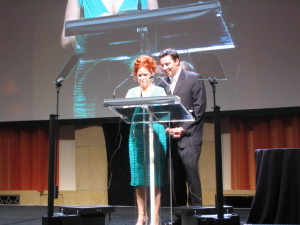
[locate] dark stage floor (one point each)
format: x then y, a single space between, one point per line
32 215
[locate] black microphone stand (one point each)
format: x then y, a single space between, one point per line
53 135
218 152
53 144
233 219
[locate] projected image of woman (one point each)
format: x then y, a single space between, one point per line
86 96
143 68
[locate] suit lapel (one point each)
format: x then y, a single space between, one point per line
179 82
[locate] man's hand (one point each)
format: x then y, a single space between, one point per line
176 133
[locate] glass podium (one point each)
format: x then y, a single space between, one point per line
148 113
161 109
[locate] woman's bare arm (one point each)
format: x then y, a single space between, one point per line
72 13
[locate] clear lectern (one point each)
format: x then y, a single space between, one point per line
150 111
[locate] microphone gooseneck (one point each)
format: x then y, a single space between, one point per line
163 80
123 82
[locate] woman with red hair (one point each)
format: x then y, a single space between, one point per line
144 67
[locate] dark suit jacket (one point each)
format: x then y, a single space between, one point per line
192 93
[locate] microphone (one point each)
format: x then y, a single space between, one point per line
168 88
163 80
131 75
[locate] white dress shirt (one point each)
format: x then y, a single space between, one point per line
173 80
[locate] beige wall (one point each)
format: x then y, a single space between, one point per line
88 181
83 167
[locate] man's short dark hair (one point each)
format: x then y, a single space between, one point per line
169 51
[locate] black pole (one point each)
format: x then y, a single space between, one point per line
51 163
53 134
218 153
58 85
218 156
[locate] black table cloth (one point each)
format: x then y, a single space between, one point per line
277 197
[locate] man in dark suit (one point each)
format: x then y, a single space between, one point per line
186 136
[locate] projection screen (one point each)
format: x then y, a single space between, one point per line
250 46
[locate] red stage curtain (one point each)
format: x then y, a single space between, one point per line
24 158
260 132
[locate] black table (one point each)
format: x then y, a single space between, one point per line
277 197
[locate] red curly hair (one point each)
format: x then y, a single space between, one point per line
144 61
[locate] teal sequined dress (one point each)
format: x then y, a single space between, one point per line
139 147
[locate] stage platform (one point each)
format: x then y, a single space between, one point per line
122 215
